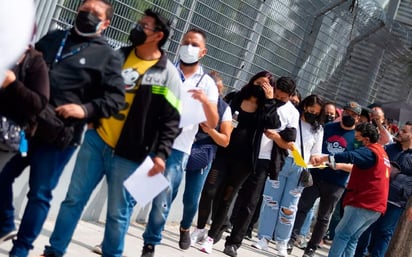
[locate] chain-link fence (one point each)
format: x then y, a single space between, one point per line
344 50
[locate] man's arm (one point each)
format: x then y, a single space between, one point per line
110 100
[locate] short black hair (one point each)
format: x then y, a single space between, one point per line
368 130
199 31
286 84
109 10
162 24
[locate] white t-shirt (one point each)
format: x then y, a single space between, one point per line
289 118
227 115
185 140
312 141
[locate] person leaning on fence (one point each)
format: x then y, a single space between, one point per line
85 84
202 88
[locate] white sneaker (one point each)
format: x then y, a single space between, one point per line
282 246
198 235
207 245
97 249
262 244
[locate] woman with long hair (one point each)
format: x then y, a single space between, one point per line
233 164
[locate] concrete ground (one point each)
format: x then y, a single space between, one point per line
89 234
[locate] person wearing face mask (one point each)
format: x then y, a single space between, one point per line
146 126
366 195
281 194
233 164
330 112
198 85
85 85
328 184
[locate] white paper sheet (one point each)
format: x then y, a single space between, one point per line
192 110
142 187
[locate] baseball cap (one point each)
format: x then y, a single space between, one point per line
353 106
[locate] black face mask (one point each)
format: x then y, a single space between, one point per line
257 91
310 117
348 121
329 118
87 23
137 35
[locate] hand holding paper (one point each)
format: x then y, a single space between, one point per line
192 110
142 187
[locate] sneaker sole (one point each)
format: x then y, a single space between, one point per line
8 236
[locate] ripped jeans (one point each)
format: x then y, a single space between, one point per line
280 200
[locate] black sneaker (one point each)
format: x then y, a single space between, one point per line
248 235
148 250
309 252
184 240
230 250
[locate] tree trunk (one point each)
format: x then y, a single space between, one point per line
400 245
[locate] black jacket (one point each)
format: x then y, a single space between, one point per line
152 123
89 74
23 99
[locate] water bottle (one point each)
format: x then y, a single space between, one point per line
235 122
23 147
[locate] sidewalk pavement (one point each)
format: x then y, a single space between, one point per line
89 234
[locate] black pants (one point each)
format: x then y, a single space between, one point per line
222 184
329 195
247 202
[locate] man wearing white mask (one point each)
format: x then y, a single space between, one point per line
202 88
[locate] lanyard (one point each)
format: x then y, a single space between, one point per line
59 57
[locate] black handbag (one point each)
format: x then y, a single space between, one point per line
305 179
52 130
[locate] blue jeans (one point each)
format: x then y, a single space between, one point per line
280 200
159 212
195 179
353 223
95 159
46 166
305 229
380 233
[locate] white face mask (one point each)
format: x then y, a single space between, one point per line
189 54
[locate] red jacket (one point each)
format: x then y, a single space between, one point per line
369 188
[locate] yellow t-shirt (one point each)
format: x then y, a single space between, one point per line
111 127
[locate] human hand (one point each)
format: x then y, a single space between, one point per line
158 167
71 110
317 160
271 133
9 78
268 90
199 95
205 128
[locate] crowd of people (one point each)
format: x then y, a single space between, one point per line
126 105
